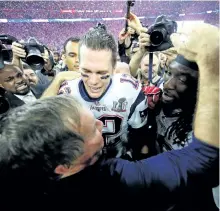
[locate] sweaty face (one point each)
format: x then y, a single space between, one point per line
96 68
180 84
145 65
31 76
91 131
71 56
14 80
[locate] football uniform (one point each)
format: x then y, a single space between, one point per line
122 105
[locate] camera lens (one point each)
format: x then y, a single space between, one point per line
157 37
34 59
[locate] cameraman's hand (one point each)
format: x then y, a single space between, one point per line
199 44
134 22
18 50
122 36
45 57
144 39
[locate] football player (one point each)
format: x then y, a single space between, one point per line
117 101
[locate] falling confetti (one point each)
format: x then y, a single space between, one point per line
55 21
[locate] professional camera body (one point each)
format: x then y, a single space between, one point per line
5 54
34 50
160 33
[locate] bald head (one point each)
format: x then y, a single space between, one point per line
122 67
13 80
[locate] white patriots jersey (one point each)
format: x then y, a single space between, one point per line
121 105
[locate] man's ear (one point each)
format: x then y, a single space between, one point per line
61 169
68 171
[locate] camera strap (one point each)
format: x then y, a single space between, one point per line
150 67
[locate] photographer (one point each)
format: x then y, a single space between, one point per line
35 81
20 53
142 73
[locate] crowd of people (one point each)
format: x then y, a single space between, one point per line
54 33
112 124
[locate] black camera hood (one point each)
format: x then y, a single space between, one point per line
7 39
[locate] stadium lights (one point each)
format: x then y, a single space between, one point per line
209 11
40 20
3 20
182 14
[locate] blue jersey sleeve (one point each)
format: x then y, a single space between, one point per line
168 172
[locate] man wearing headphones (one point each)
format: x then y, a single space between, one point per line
49 63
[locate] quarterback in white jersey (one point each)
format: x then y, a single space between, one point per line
121 107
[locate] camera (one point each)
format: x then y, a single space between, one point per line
34 50
160 33
5 54
4 104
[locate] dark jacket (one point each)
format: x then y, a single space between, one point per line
158 183
179 180
39 89
13 100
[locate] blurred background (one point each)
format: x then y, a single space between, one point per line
51 22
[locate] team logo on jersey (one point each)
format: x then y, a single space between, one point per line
98 107
120 105
143 115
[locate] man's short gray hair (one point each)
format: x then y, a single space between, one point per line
38 137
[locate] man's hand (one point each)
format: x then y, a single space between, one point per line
122 36
144 39
199 44
54 87
45 57
153 94
134 22
18 50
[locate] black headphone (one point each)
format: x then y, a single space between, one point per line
50 57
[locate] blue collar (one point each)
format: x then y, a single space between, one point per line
85 95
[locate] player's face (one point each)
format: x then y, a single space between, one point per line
14 80
96 68
71 56
180 84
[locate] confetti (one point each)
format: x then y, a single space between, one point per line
54 33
